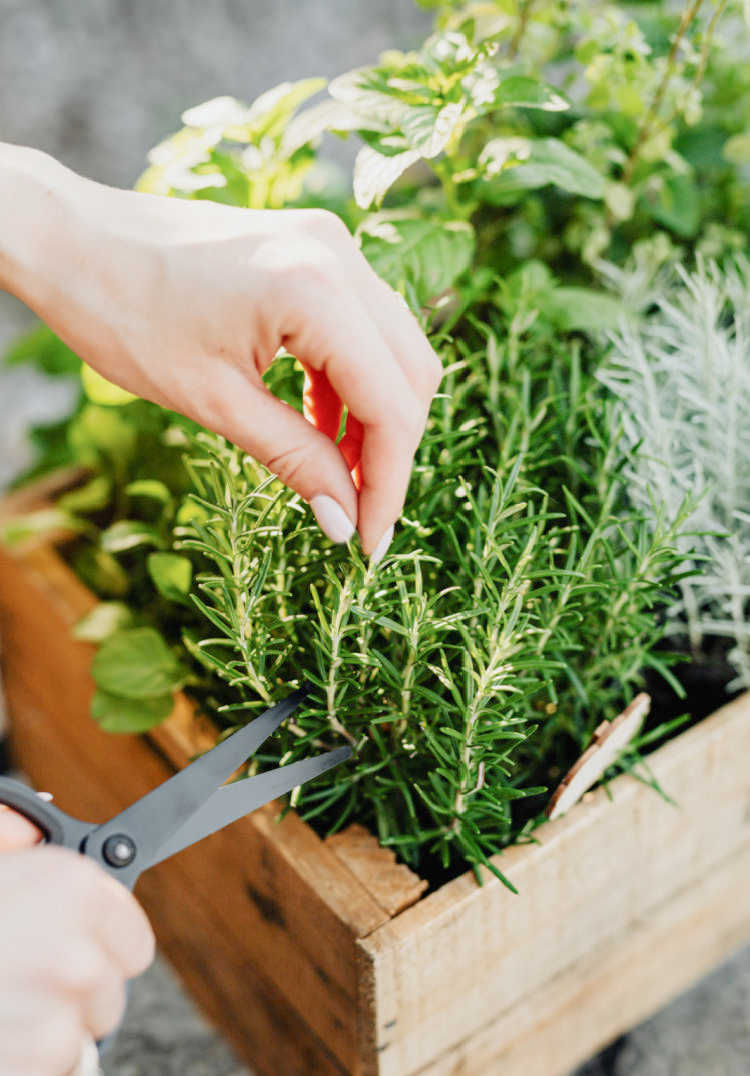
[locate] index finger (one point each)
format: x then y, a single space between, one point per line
339 337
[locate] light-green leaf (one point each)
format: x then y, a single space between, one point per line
374 173
137 664
113 713
90 497
128 534
172 574
583 309
151 488
512 165
104 620
522 91
428 254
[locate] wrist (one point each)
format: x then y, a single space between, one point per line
34 192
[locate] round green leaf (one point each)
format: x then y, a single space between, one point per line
137 664
101 391
172 574
128 534
113 713
104 620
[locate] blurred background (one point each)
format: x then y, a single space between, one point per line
97 83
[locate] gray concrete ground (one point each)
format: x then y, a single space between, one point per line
97 82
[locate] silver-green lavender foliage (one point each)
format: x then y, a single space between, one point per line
682 376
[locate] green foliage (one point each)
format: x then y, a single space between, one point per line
508 169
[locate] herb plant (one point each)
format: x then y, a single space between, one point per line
508 169
682 375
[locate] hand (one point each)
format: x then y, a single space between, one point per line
187 304
69 936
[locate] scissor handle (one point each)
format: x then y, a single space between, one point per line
56 826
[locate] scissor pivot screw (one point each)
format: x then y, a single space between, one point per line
119 850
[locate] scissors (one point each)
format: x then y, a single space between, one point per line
181 811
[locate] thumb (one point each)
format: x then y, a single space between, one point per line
303 457
16 832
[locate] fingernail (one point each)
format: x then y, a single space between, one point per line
332 519
381 548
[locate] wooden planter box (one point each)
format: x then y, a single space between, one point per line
323 956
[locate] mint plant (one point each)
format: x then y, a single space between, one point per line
508 169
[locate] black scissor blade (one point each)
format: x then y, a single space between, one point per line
244 796
151 820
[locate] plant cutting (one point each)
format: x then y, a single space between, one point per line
527 590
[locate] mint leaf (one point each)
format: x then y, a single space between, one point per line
512 165
427 254
137 664
172 574
374 173
113 713
128 534
104 620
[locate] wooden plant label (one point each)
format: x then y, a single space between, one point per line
608 741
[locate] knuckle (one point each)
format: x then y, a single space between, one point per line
86 969
327 225
289 464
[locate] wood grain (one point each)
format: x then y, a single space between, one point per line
464 955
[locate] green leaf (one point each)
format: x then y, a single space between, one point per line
522 91
104 620
102 432
91 497
513 165
427 254
582 309
737 149
137 664
151 488
41 348
428 128
37 524
102 572
128 534
101 391
114 713
374 173
677 206
172 574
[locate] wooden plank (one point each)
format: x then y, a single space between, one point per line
594 873
295 909
616 986
392 884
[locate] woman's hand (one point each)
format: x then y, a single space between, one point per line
70 936
187 304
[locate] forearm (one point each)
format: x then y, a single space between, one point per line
35 191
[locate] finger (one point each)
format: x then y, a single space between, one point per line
16 831
278 436
104 1008
335 334
88 1062
122 927
403 334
